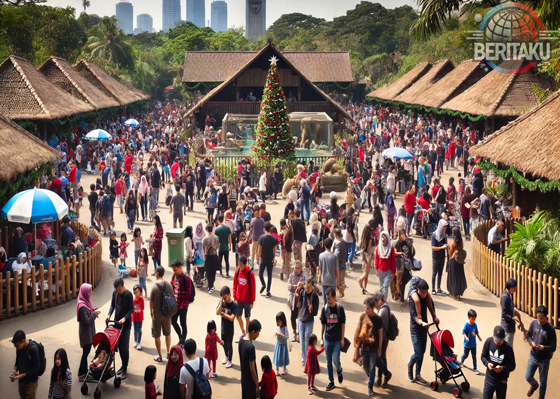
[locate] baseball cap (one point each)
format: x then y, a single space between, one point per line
499 333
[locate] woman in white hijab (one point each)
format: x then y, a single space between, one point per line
385 263
439 249
21 264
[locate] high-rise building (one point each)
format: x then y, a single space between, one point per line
125 18
171 14
255 19
219 16
196 12
144 23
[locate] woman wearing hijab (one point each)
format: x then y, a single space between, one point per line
439 247
21 263
143 192
385 263
456 281
86 319
171 386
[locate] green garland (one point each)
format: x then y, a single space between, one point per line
417 107
207 85
9 188
538 184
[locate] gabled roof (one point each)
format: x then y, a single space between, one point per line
215 90
531 143
13 160
389 92
418 90
218 66
26 94
106 83
59 72
466 74
500 94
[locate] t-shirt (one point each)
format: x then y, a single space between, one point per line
247 354
268 243
257 224
484 207
329 263
377 324
499 356
470 331
435 243
155 295
186 377
211 243
228 309
223 232
178 202
113 248
262 183
334 318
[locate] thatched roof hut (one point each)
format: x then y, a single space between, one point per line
530 143
418 90
59 72
499 94
14 161
26 94
107 84
389 92
466 74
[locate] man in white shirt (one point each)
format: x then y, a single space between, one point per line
262 186
186 379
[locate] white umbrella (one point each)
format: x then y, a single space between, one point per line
99 135
131 122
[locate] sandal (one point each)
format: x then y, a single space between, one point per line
157 358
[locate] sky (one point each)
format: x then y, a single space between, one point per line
327 9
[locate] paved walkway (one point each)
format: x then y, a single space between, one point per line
58 328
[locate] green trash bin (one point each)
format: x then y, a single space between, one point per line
175 245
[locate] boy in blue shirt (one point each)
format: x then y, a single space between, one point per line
470 332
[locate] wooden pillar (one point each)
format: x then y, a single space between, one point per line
299 93
236 90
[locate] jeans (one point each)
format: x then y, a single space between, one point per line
437 270
490 387
305 208
157 260
84 361
182 330
263 196
131 219
144 206
351 251
137 331
156 194
532 366
409 217
190 199
384 282
124 347
332 351
305 330
136 257
419 341
466 354
268 272
93 219
142 284
228 345
224 254
466 226
370 362
509 338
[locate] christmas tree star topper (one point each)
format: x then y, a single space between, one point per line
273 60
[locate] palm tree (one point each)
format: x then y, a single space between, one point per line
108 43
85 4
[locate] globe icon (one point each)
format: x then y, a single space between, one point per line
511 24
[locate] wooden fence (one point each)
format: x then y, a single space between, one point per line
58 283
493 270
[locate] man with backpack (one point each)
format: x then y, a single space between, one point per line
161 309
244 292
194 376
182 289
333 327
30 364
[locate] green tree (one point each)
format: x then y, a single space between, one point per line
88 21
107 42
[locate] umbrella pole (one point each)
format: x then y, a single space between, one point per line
35 224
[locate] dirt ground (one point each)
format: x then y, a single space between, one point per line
58 328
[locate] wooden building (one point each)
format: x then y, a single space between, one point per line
242 76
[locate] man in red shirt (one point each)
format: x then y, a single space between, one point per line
174 171
72 179
128 163
244 291
409 203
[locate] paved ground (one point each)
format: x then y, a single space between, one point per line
58 327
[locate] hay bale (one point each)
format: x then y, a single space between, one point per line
335 169
329 164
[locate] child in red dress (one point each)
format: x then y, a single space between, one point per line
312 364
211 345
268 381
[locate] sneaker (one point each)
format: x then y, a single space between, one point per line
330 387
213 375
240 338
227 275
434 292
134 346
119 371
387 378
139 347
476 372
377 382
420 380
281 276
532 389
370 392
314 388
268 295
225 360
262 289
310 391
410 377
124 375
228 364
340 378
440 291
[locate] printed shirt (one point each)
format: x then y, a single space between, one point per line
181 290
470 331
138 313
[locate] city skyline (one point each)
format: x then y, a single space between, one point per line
144 23
219 16
196 12
124 11
171 14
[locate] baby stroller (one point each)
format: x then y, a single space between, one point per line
441 352
108 341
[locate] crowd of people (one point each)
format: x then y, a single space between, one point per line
321 241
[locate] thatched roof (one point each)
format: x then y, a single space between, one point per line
218 66
106 83
13 160
466 74
389 92
499 94
26 94
418 90
530 143
59 72
217 89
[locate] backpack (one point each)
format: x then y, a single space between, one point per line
106 206
201 385
393 331
193 291
42 357
168 302
413 284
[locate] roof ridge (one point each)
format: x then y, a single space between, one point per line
13 59
72 81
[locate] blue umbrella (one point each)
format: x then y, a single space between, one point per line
34 206
99 135
397 153
131 122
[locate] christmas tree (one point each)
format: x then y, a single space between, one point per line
273 136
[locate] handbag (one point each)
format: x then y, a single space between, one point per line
416 265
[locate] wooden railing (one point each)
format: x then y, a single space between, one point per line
59 283
493 270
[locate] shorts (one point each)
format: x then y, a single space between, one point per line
241 306
178 216
160 323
